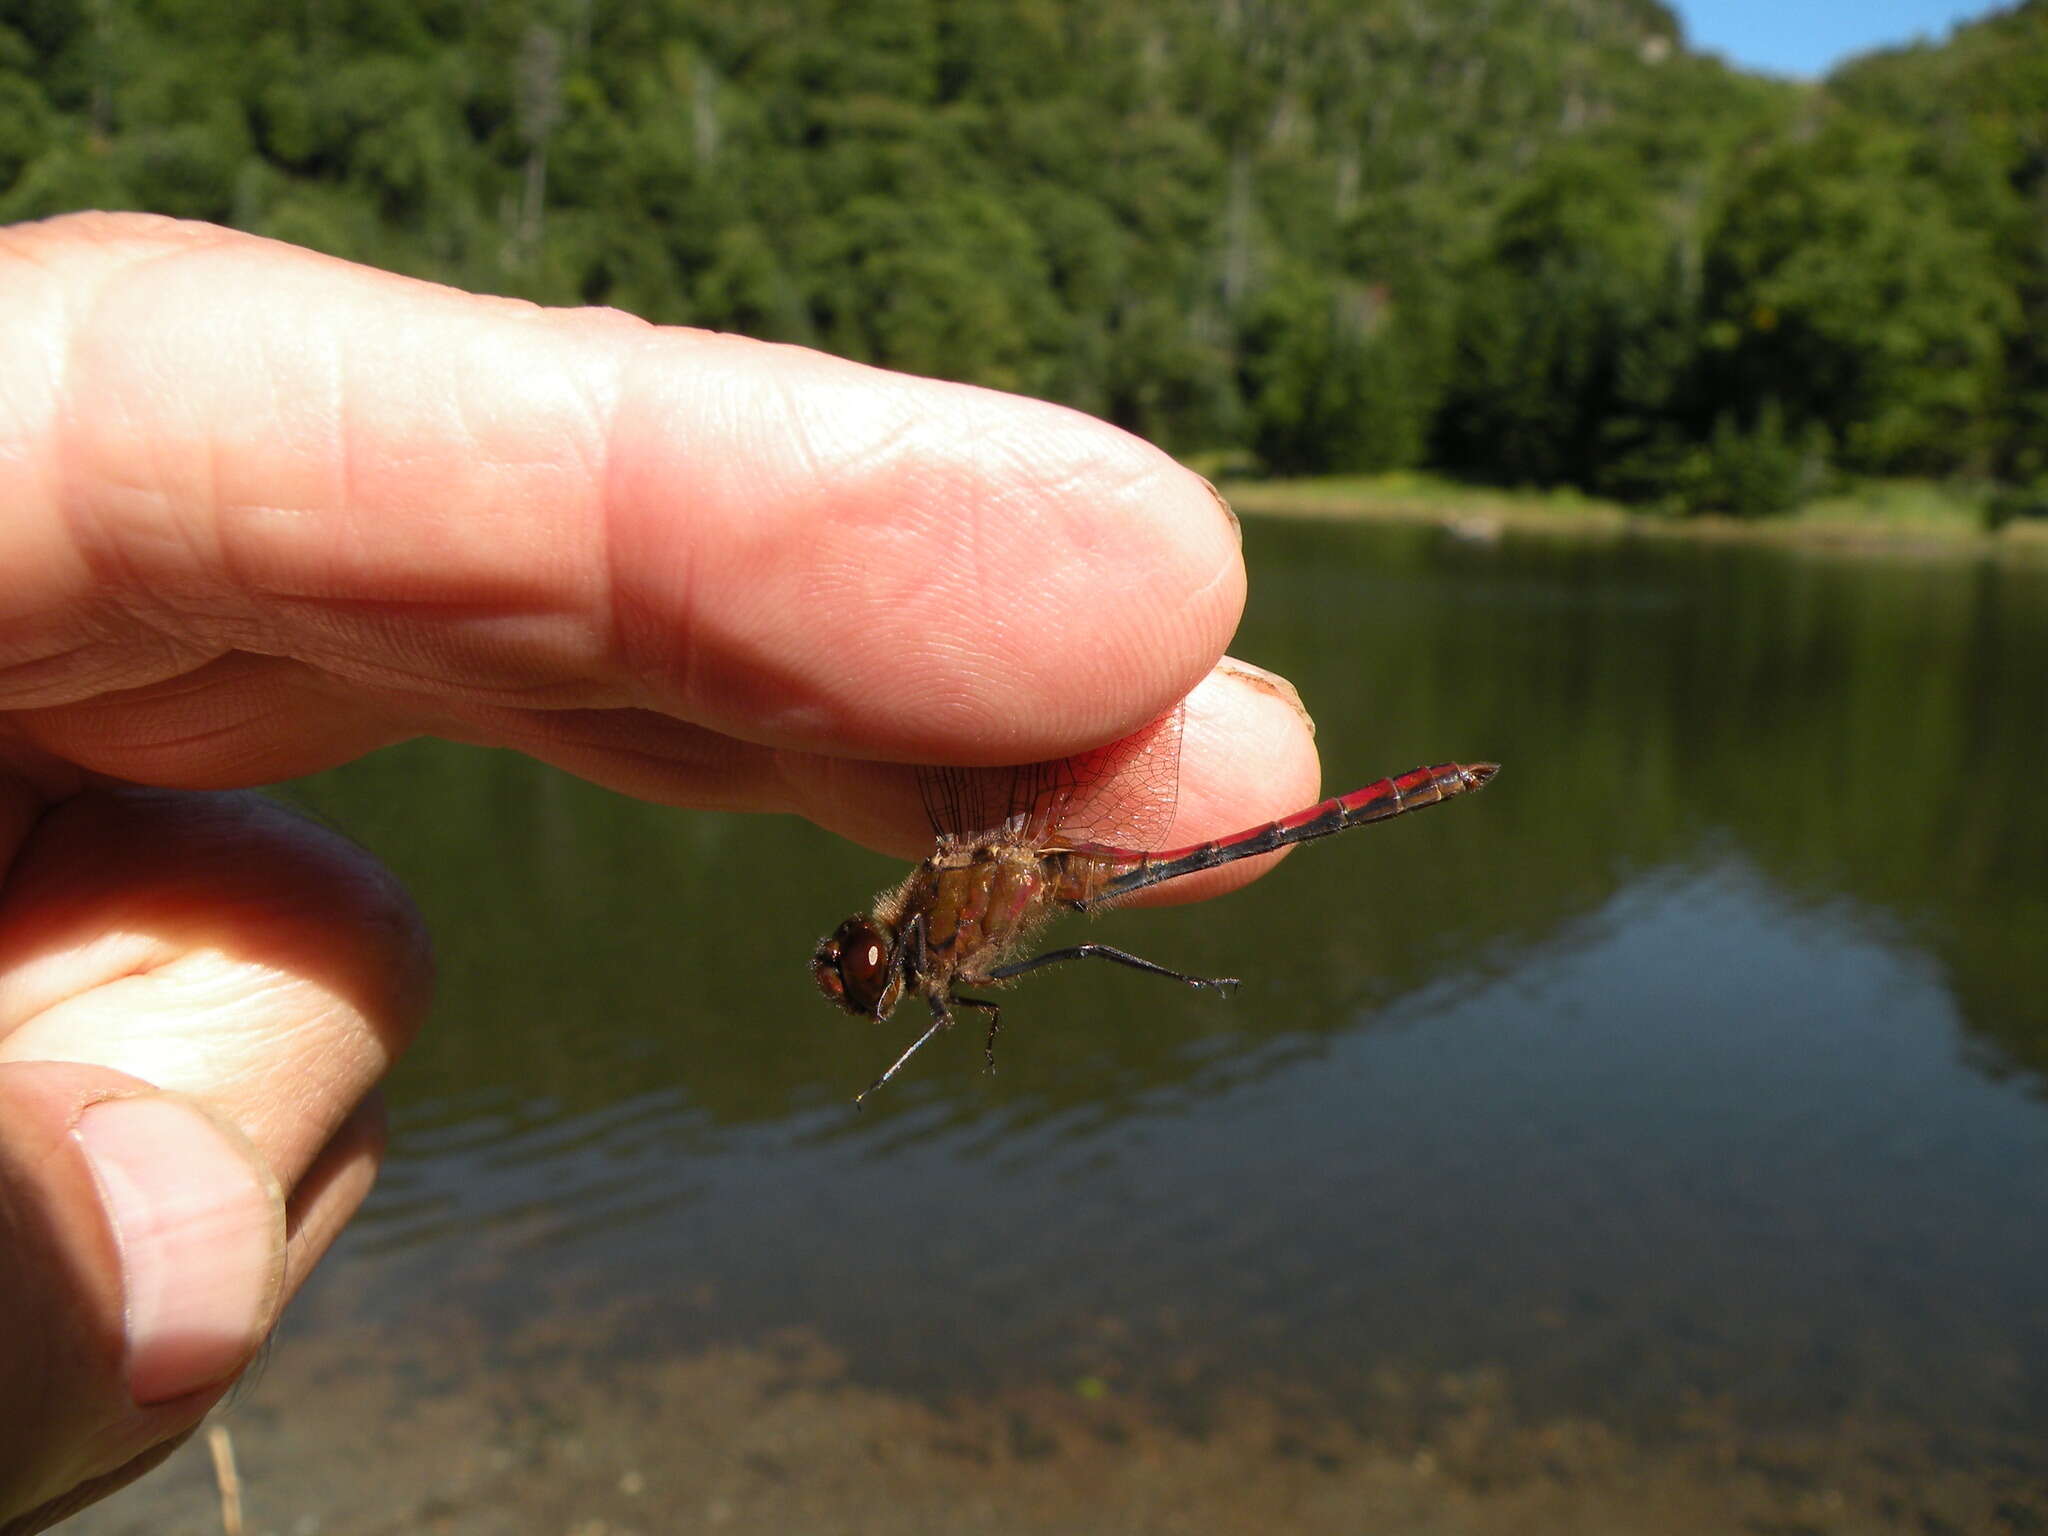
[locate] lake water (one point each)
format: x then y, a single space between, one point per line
1656 1142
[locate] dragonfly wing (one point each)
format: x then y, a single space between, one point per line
1121 795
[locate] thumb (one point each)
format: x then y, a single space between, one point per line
142 1245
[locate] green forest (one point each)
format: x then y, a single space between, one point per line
1519 242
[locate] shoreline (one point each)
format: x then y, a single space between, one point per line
1481 515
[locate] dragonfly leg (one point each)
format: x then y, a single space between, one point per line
941 1019
995 1022
906 957
1121 957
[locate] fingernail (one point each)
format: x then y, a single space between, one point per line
1272 684
200 1228
1229 512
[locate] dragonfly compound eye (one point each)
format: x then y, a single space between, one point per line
852 966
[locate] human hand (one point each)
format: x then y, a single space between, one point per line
262 512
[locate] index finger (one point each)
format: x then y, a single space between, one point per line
381 506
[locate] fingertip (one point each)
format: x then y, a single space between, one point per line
142 1240
198 1221
903 569
1248 756
1252 681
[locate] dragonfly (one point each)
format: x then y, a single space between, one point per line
1017 846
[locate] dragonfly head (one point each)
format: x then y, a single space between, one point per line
851 966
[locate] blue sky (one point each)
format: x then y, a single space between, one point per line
1808 37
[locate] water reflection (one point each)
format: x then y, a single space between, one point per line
1687 1084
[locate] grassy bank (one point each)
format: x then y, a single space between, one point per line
1906 517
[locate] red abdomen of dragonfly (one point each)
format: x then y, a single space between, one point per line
1111 872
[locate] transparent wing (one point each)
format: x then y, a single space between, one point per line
1120 796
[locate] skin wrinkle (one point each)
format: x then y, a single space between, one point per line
757 559
249 752
461 404
335 415
190 683
795 440
120 662
272 1002
273 1006
186 745
1224 573
660 657
568 452
345 457
601 409
445 664
440 669
346 423
147 964
194 980
133 603
69 671
145 591
389 677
